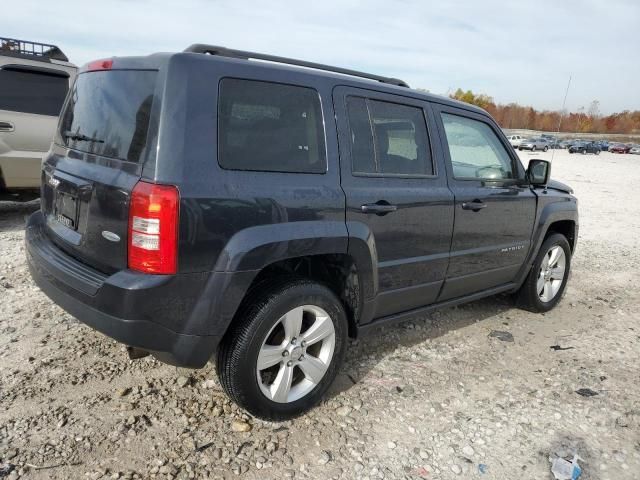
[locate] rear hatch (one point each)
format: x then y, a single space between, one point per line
105 136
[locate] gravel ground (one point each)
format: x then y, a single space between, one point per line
438 397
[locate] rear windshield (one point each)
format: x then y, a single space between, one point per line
108 113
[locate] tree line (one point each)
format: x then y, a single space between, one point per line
517 116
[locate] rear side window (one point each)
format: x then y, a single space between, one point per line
32 92
270 127
108 113
476 151
388 138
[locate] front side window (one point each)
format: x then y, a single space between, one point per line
388 138
476 151
270 127
32 92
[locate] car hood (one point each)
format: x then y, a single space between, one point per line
556 185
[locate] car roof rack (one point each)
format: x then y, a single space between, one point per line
228 52
32 50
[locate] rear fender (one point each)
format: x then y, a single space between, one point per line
251 250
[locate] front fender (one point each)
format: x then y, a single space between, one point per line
565 209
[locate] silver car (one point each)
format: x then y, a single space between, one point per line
514 140
534 144
34 81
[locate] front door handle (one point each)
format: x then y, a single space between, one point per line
6 127
476 205
378 208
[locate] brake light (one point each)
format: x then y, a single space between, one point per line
97 65
153 228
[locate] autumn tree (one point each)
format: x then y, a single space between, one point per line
526 117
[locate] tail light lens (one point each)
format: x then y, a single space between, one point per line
98 65
153 228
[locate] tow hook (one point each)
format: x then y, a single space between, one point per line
136 353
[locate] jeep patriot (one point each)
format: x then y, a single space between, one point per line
257 211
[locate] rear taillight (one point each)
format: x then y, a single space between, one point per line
153 228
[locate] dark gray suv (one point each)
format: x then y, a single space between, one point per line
207 206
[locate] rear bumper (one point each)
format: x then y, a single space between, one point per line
133 308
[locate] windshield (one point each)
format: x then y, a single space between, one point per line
107 113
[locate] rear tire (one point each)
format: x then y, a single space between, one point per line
533 149
545 149
264 363
539 292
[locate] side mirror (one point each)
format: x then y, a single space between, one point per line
538 172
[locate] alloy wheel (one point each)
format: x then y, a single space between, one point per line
551 275
296 354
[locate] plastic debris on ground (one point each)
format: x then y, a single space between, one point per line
563 469
586 392
6 469
501 335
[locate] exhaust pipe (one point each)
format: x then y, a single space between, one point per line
135 353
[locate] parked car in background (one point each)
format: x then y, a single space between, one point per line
585 147
253 246
555 143
619 148
635 150
34 80
566 143
534 144
604 145
515 140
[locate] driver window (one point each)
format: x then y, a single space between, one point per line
475 150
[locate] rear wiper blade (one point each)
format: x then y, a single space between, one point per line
82 137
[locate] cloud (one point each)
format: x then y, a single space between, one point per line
514 51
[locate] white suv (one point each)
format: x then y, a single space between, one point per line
515 140
34 81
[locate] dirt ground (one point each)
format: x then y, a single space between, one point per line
434 398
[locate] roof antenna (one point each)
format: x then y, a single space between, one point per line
564 102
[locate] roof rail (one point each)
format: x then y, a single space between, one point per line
24 48
228 52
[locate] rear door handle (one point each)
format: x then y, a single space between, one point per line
476 205
378 208
6 127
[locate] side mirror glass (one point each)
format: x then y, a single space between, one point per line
538 172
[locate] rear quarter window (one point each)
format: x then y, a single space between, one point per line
271 127
32 92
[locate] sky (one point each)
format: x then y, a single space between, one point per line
515 51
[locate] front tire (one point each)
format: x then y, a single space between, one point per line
285 350
547 280
545 149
